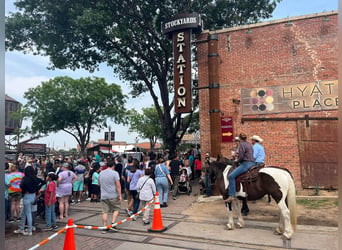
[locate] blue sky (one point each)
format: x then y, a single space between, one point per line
23 71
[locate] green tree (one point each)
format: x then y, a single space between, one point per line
76 106
147 124
126 36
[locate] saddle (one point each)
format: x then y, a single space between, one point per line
247 177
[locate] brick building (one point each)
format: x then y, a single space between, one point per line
278 80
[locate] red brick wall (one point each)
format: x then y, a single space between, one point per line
273 54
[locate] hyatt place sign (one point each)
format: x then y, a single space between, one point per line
315 96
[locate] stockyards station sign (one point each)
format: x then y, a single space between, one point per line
180 29
314 96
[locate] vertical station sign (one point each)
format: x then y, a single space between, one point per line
180 29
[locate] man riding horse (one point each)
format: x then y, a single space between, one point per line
246 160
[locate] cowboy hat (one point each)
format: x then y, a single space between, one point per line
256 138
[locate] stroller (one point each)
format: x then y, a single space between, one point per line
184 186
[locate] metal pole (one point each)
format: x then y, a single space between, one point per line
136 142
2 121
109 135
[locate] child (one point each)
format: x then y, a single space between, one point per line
95 185
50 200
183 177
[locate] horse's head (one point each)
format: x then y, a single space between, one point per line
215 170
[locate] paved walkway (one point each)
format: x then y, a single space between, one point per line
183 232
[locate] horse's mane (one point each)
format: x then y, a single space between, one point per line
220 165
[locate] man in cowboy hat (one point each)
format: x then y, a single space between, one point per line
258 150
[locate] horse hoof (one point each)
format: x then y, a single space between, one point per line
228 227
277 231
285 237
239 225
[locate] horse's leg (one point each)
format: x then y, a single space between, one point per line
285 215
240 223
230 224
280 229
244 209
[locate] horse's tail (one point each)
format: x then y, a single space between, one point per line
291 202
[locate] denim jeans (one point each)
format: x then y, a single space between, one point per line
162 185
136 201
50 216
207 183
244 166
26 213
7 209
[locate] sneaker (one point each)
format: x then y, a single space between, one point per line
72 202
128 212
18 231
47 229
114 229
88 199
174 197
18 219
33 228
27 233
146 223
165 205
54 227
11 220
79 201
104 231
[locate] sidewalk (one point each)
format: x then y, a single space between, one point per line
184 231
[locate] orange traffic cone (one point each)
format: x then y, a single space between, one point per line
157 224
69 242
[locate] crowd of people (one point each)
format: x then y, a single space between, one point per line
47 187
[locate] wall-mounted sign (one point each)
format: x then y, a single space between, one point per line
181 27
315 96
181 22
227 134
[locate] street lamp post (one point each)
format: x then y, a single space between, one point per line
136 142
109 136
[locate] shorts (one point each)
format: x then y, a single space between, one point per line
14 196
77 186
110 205
95 189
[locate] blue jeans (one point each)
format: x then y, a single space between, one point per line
244 166
162 185
50 216
26 213
207 183
136 201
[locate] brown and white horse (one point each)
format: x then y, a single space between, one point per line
274 181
